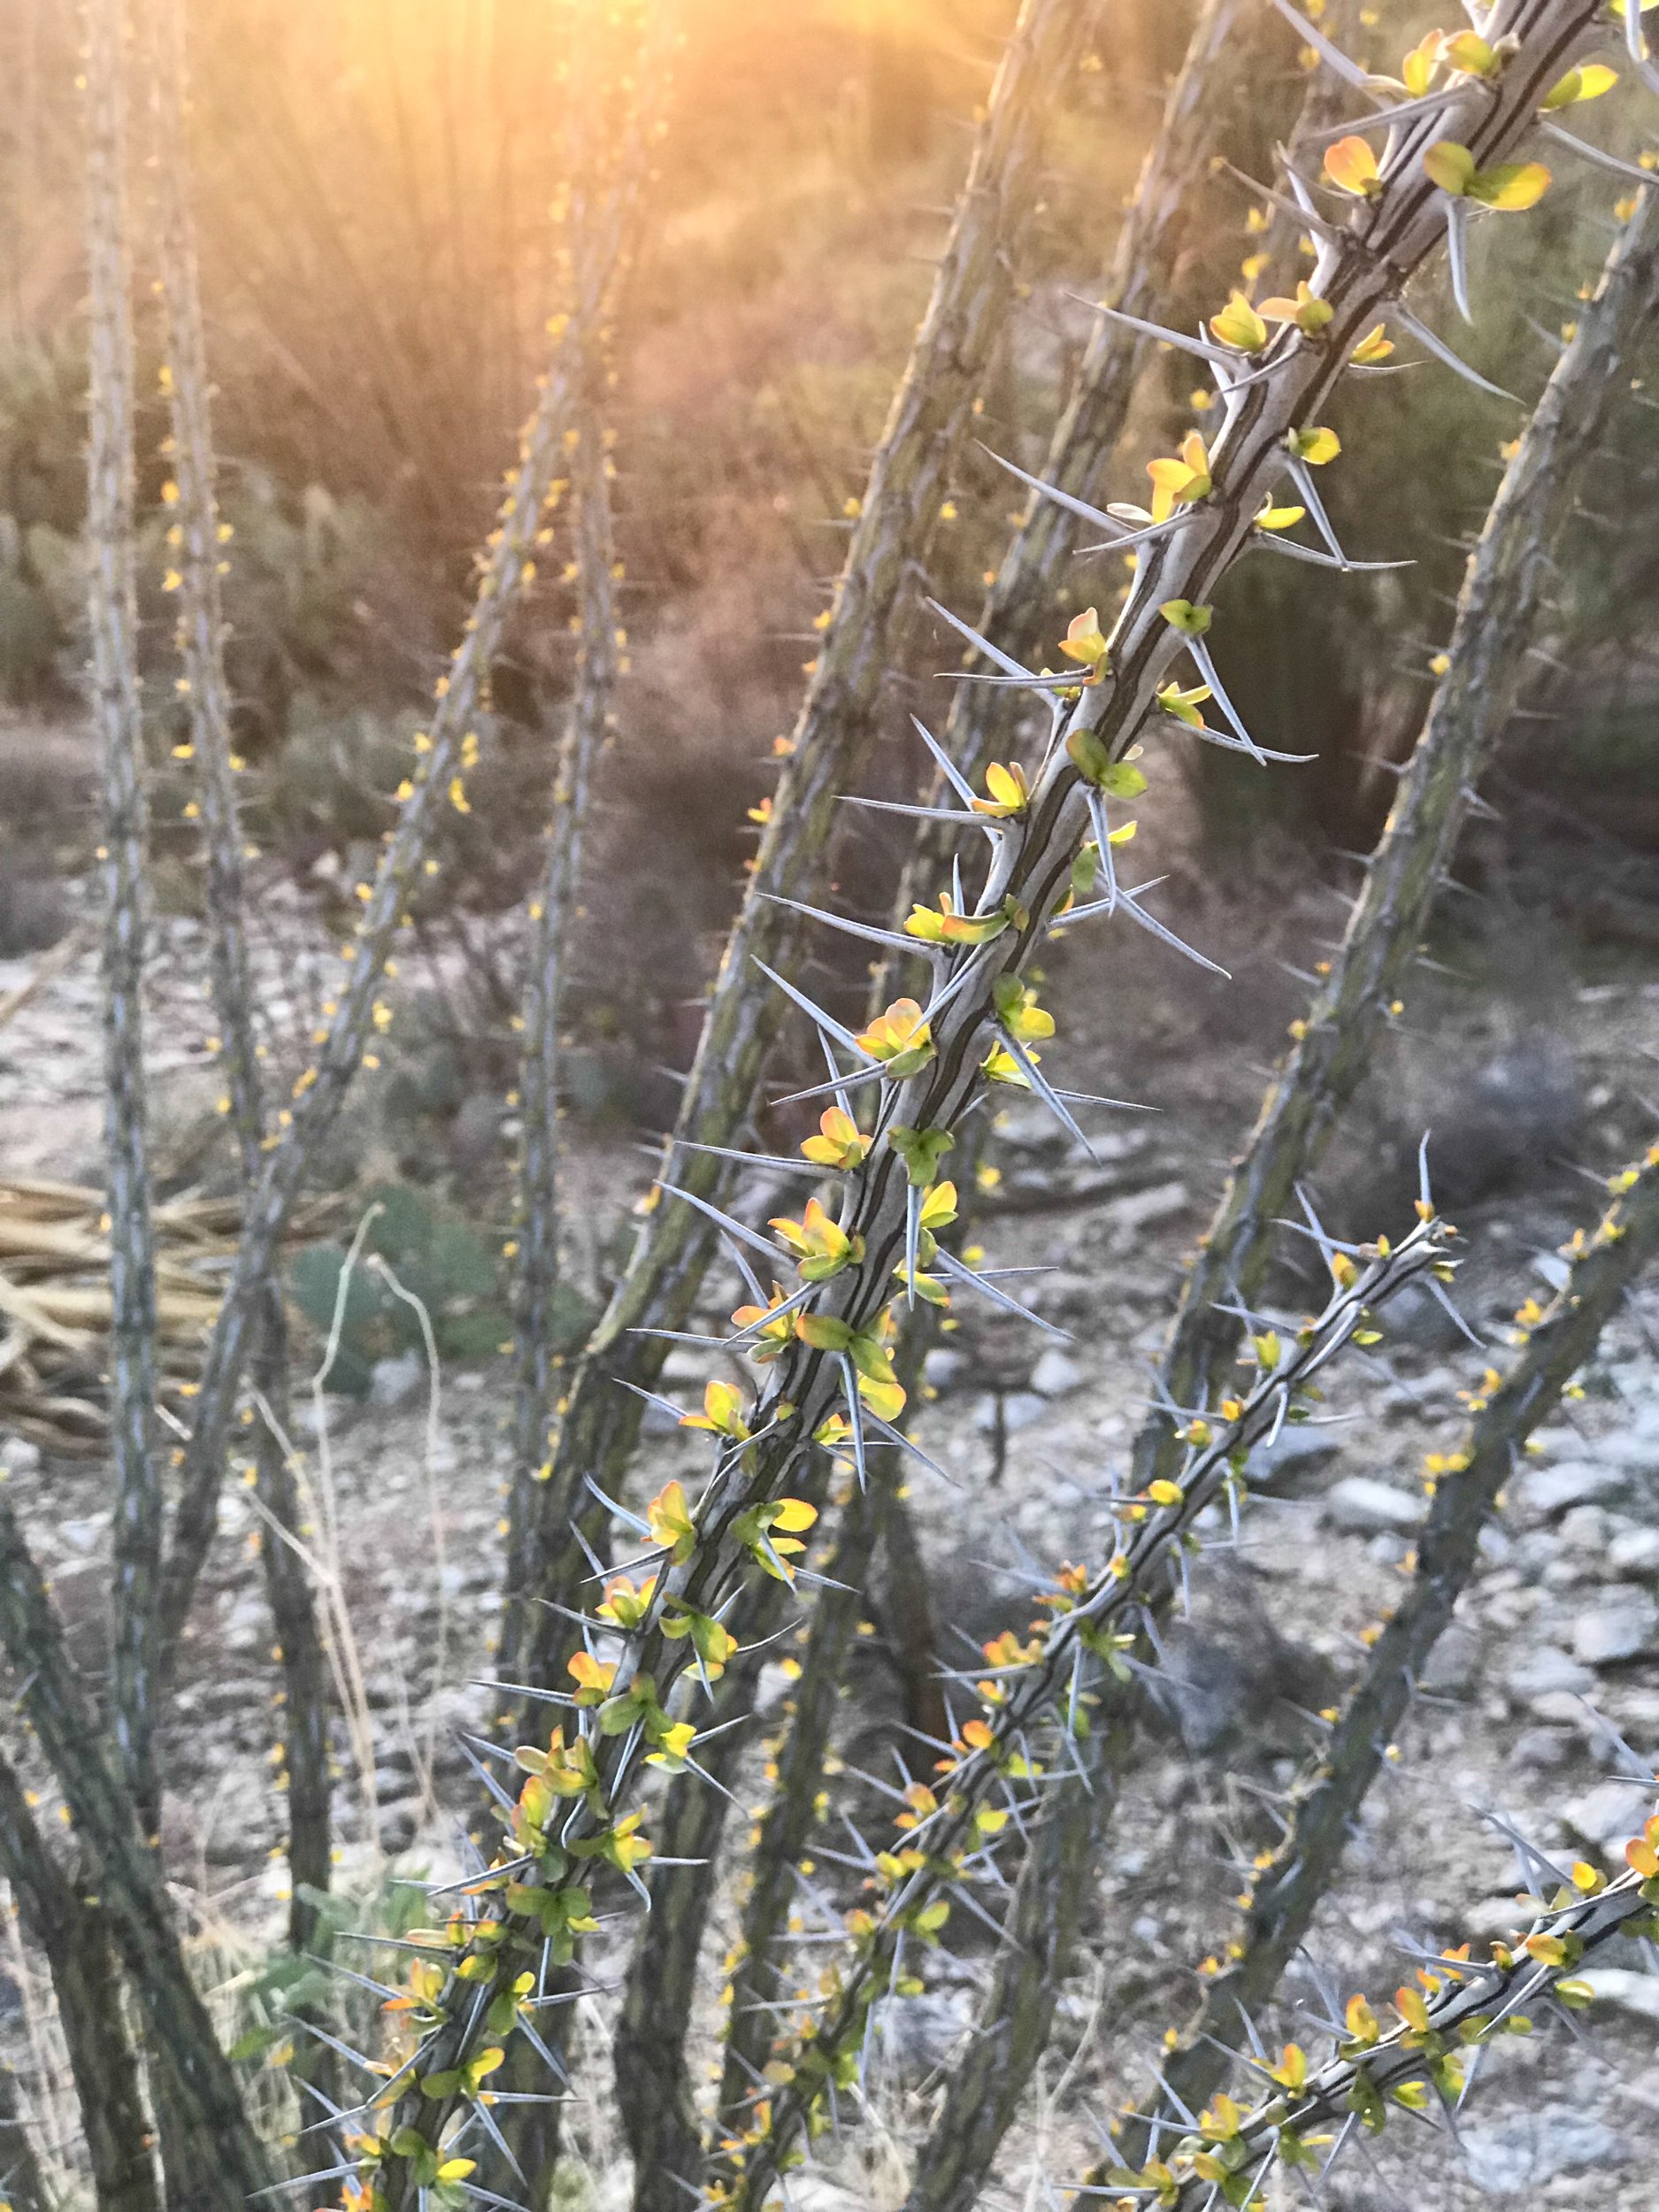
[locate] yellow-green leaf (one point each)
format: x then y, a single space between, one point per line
1449 165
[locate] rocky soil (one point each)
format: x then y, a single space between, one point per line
1554 1657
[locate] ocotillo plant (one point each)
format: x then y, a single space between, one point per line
1039 1698
588 717
988 2085
65 1926
113 622
437 779
1222 67
1222 61
1450 2010
197 542
215 2144
531 2129
873 605
830 1381
1474 697
1506 585
1463 1484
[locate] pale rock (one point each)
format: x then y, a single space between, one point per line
1548 1490
1546 1671
1634 1551
1492 1919
1451 1665
1635 1445
918 2034
1624 1990
1056 1373
1020 1408
683 1367
19 1456
82 1536
1520 2152
396 1380
1287 1465
1524 2148
1542 1750
1361 1506
1610 1815
1621 1624
808 2193
1147 1209
1585 1529
943 1367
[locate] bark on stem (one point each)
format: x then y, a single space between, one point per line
65 1926
113 622
462 694
1509 577
1284 1895
196 542
220 2145
875 602
1470 711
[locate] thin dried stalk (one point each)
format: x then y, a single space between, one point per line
875 605
65 1926
1505 587
216 2141
1285 1895
196 539
113 620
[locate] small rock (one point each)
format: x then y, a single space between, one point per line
1532 2145
1146 1209
1020 1408
1624 1990
684 1366
1451 1665
1287 1465
1635 1552
1549 1490
19 1456
1056 1373
82 1536
1609 1815
1584 1528
1493 1919
1363 1506
395 1380
1619 1626
808 2193
942 1368
1545 1671
1635 1445
1542 1749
